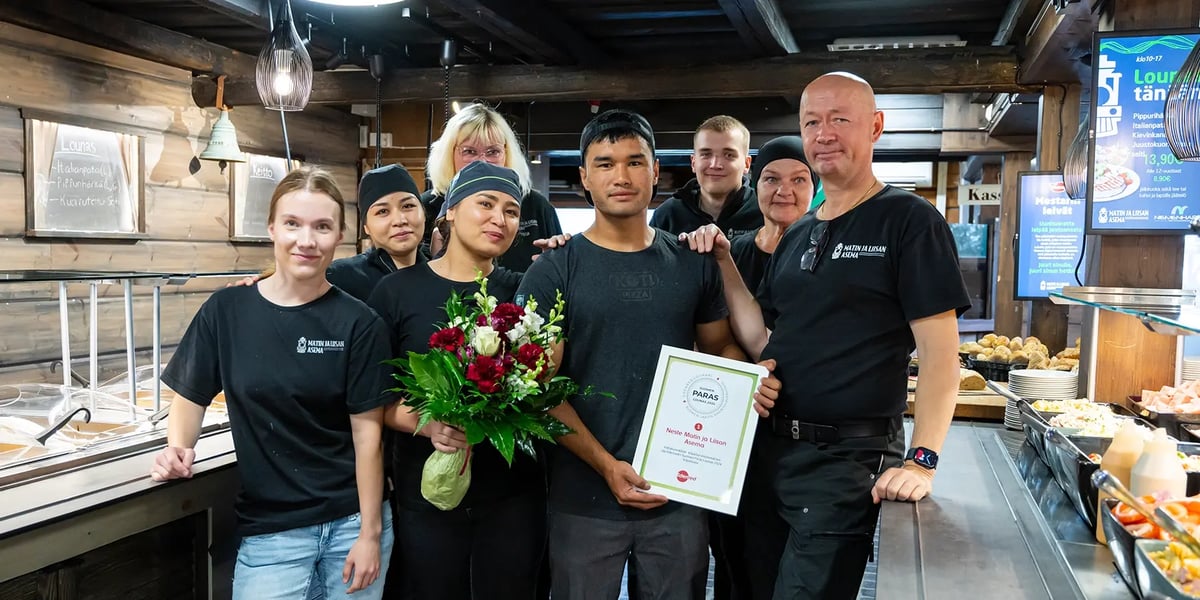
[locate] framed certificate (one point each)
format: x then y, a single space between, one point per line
699 425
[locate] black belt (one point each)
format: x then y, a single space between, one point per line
784 426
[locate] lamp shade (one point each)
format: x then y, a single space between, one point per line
1181 115
223 144
284 72
1075 165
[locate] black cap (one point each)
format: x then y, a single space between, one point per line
381 182
480 176
787 146
614 124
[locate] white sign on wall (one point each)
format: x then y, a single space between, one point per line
979 194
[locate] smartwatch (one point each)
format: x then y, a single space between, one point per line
924 457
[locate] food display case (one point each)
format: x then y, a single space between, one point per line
75 491
1006 518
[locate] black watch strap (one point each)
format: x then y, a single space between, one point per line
922 456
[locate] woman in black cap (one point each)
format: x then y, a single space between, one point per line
393 218
490 546
785 186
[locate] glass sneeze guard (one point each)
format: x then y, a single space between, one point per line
1169 312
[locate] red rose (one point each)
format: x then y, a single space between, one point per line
481 320
486 372
529 354
506 316
449 339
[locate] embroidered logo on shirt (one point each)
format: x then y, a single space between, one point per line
853 251
307 346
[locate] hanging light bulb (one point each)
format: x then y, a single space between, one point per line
284 71
1181 114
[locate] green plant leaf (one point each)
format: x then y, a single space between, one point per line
502 439
427 375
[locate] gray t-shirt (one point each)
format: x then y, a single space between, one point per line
621 308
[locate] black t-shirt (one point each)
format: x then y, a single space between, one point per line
621 308
751 261
359 274
292 376
841 335
412 304
538 221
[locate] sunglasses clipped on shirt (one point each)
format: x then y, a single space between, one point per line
817 239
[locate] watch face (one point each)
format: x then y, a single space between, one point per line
925 457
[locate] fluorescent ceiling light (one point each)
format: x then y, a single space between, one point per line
358 2
896 43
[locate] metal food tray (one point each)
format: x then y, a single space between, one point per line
1172 422
1035 424
1072 469
1121 544
1150 578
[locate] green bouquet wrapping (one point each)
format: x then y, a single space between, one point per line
487 373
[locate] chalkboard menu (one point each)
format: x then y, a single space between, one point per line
250 188
82 182
1049 236
1137 185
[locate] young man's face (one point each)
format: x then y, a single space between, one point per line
620 175
719 160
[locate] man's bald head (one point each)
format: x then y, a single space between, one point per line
841 81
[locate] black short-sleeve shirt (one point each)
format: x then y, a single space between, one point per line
621 308
841 334
292 376
751 261
412 303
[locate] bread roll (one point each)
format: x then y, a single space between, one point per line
970 380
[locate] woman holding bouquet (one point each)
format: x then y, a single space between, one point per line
490 545
299 362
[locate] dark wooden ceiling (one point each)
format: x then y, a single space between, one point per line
582 32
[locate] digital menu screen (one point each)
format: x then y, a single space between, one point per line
1049 236
1138 186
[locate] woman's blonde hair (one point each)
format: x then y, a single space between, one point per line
310 179
474 121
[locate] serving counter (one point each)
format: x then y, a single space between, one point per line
996 526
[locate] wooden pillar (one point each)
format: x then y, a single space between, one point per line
1058 123
1009 313
1129 357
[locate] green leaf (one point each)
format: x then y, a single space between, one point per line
475 432
502 439
427 374
526 446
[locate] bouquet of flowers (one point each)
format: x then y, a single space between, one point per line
487 374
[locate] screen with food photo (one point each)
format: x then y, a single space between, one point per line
1138 186
1049 236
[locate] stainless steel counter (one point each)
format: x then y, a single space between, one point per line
997 526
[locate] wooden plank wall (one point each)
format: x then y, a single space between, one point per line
187 200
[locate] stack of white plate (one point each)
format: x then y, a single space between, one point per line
1191 368
1036 384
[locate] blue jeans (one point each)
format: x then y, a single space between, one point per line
306 562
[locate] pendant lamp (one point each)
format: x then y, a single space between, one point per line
284 72
1181 114
1075 166
222 143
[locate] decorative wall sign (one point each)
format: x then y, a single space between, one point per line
251 185
83 182
1049 236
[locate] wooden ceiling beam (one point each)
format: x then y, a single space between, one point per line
85 23
929 71
540 33
761 25
256 13
1056 41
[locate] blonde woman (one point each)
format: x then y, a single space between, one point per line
299 362
480 133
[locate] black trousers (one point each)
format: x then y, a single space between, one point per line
484 553
810 519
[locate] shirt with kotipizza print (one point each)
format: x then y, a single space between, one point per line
621 309
841 333
292 376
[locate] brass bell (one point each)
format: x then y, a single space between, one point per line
223 144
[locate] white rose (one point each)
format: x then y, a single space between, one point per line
485 341
532 321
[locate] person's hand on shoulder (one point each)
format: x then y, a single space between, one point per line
628 487
909 483
173 463
246 281
551 243
709 239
